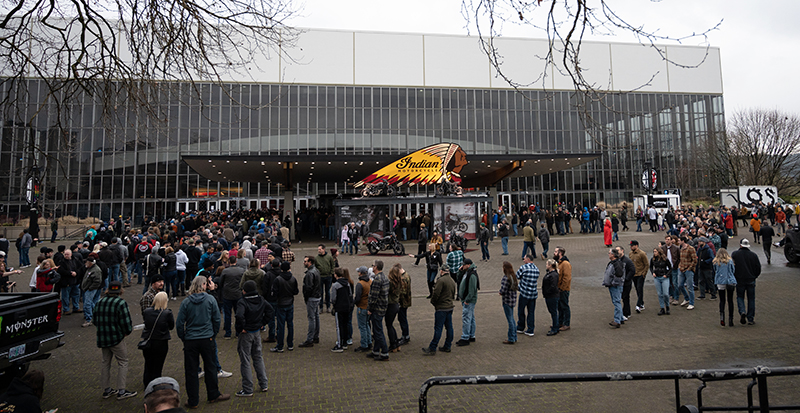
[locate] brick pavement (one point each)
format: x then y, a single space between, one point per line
317 380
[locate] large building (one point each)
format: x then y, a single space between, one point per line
356 100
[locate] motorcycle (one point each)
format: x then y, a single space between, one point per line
379 243
458 239
381 188
448 187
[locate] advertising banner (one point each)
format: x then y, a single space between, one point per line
457 215
429 165
750 195
376 217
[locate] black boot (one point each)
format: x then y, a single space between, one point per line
662 312
667 310
722 319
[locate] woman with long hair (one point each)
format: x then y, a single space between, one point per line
46 276
508 290
726 284
395 285
158 321
342 300
661 269
433 260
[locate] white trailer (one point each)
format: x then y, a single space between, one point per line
749 195
662 202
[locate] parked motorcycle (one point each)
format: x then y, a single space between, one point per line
379 243
381 188
448 187
458 239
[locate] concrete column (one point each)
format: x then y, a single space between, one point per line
495 200
288 209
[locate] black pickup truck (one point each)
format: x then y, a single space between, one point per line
28 331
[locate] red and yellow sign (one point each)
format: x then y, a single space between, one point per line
429 165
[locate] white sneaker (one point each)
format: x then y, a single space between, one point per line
223 374
624 318
684 303
201 374
642 308
638 309
690 307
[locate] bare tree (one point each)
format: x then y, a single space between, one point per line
566 24
127 53
760 147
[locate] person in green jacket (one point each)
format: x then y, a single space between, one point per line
324 263
468 291
444 290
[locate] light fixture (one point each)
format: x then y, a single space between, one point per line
345 162
245 161
262 162
279 163
227 161
209 160
312 163
360 163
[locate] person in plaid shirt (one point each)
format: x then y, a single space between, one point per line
508 290
528 276
262 254
113 321
287 254
455 259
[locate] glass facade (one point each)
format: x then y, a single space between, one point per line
116 159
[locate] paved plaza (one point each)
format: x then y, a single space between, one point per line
316 380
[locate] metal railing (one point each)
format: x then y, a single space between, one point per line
758 376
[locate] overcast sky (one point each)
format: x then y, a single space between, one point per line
758 41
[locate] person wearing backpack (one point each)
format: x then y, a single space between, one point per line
613 279
342 299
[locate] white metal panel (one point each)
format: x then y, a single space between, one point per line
455 61
320 56
388 58
638 68
706 77
595 65
523 62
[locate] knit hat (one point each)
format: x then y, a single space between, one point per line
156 278
276 263
249 287
467 261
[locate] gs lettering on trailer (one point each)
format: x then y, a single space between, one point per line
751 195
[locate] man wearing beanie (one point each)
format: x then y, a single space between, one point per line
113 321
252 313
156 285
284 288
361 296
747 268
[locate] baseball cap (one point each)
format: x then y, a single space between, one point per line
2 254
634 242
162 383
744 243
362 270
115 287
467 261
156 278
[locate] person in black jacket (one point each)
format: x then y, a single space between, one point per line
630 271
158 321
24 394
747 269
342 298
285 288
551 294
433 260
252 313
71 270
422 240
267 290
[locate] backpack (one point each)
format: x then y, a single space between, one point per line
103 269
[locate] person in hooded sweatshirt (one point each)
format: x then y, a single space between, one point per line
252 313
342 299
24 394
231 293
197 325
267 283
284 289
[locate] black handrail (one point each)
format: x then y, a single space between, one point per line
758 375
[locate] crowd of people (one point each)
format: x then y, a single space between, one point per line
238 275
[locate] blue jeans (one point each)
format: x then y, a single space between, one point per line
615 237
485 250
285 316
467 321
325 284
227 307
90 298
442 320
24 258
378 338
545 248
514 227
512 325
560 226
528 245
662 288
70 294
552 308
113 272
616 299
638 225
169 282
362 316
504 242
686 285
405 234
345 246
750 290
674 284
522 320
